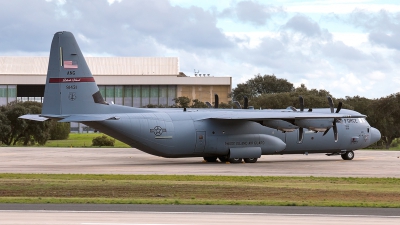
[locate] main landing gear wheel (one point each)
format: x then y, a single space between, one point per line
223 158
348 155
235 160
210 159
250 160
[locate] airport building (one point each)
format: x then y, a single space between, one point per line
130 81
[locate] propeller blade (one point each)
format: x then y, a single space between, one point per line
216 101
339 107
293 108
208 104
301 134
330 101
301 100
310 110
237 104
246 103
335 132
327 130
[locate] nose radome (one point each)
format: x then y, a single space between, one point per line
375 135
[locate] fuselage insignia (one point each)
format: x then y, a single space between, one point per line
158 130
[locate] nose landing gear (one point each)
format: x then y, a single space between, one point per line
349 155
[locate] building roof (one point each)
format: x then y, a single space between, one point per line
107 71
98 65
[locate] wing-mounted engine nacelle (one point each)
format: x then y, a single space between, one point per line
319 125
280 125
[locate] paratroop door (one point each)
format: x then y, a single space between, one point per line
200 141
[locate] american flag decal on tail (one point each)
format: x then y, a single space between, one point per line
70 65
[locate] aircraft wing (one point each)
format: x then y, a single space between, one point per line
276 115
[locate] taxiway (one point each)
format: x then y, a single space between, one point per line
366 163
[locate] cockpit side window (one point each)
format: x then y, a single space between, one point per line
365 121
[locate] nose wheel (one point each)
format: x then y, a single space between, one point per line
348 155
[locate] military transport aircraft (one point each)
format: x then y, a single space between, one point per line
71 95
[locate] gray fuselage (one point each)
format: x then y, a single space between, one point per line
174 133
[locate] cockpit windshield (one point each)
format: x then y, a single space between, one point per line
363 120
352 121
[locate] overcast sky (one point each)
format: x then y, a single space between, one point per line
347 47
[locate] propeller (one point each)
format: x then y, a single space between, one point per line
301 130
301 100
335 132
339 107
330 101
246 103
208 104
216 101
237 104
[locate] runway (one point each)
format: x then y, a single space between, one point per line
366 163
175 214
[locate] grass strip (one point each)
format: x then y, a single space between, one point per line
200 190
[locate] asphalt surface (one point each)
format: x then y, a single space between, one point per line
288 210
131 161
176 214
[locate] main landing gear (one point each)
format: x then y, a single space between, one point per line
210 159
234 160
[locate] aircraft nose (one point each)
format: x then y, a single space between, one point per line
375 135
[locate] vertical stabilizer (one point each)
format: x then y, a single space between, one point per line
70 86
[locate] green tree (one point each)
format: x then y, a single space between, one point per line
15 126
360 104
59 131
267 84
14 129
312 99
103 141
182 102
386 117
5 127
228 105
198 104
35 131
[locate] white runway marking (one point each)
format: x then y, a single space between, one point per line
56 217
183 213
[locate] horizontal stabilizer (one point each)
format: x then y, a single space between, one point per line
89 118
35 117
